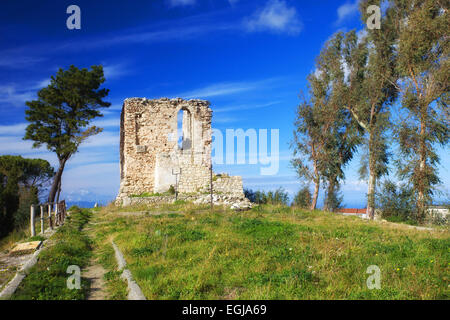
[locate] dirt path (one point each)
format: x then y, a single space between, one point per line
94 273
9 266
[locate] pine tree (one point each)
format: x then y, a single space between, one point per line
59 118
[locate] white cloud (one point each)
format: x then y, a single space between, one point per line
177 3
275 16
103 139
244 107
107 122
99 178
346 11
15 59
13 129
10 94
115 71
227 88
15 145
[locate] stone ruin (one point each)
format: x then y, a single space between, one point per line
153 157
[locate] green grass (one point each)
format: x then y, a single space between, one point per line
116 287
275 252
47 280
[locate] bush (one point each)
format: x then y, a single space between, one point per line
303 198
333 199
277 197
396 203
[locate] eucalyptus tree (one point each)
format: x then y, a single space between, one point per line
424 68
307 147
327 134
60 117
368 91
341 133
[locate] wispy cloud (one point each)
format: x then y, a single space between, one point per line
227 88
276 16
245 107
14 96
178 3
172 30
15 59
13 129
346 11
225 119
15 145
112 122
115 71
103 139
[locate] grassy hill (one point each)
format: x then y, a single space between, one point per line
187 252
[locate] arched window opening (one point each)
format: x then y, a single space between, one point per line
184 130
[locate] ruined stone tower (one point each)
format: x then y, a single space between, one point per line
151 154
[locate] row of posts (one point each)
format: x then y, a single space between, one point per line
60 214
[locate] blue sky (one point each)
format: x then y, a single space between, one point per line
249 58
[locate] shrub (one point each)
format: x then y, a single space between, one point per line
396 202
277 197
303 198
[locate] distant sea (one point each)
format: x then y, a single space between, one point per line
84 204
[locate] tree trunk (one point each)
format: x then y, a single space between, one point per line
315 195
59 190
316 188
56 181
372 180
371 196
330 190
421 178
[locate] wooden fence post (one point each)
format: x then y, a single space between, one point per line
57 214
32 213
42 219
50 216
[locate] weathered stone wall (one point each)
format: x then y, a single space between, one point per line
150 153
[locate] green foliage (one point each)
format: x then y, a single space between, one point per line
59 118
47 280
303 198
423 64
291 254
396 202
171 190
277 197
333 199
21 181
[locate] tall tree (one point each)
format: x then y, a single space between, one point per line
424 67
60 117
326 135
369 91
340 132
307 145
